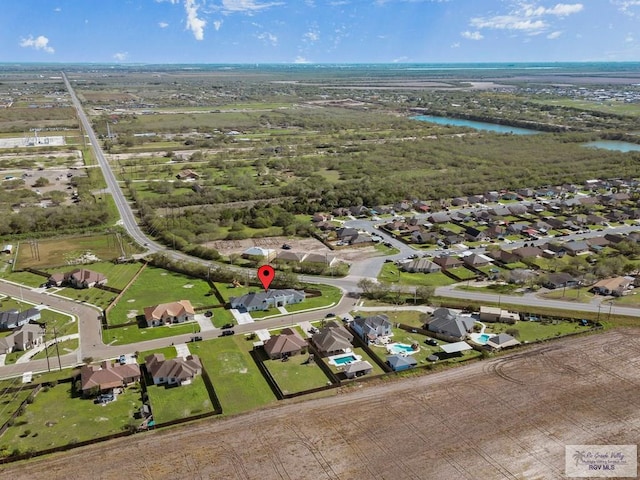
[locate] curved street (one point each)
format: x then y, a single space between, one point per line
91 344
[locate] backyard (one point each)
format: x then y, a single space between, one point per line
296 374
172 403
56 417
239 385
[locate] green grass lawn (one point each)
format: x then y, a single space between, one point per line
227 290
389 273
9 402
330 296
294 375
462 273
55 418
532 331
134 334
575 294
496 289
154 286
25 278
92 296
238 383
179 402
64 347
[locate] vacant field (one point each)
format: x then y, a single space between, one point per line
69 251
179 402
509 417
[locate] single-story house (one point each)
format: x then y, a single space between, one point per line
108 376
321 259
399 363
80 278
447 322
357 369
176 371
616 286
287 343
503 256
264 300
495 314
332 338
290 256
165 313
474 235
475 260
446 262
576 247
560 280
420 265
527 252
502 340
14 318
372 329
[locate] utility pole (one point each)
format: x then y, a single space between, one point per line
46 349
55 339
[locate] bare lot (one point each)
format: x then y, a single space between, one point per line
509 417
228 247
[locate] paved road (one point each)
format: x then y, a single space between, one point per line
91 344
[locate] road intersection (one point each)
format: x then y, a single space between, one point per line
89 323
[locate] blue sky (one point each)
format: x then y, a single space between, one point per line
318 31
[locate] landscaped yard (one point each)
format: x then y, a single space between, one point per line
238 383
576 294
179 402
295 375
55 418
377 370
154 286
10 401
330 296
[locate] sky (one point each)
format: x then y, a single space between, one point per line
318 31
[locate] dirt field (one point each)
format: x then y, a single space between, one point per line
508 418
228 247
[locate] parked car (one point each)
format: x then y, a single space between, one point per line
431 341
286 246
330 315
122 360
208 313
197 338
227 325
226 333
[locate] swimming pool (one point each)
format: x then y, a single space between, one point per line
481 338
400 348
343 359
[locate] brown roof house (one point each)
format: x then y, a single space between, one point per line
333 338
164 313
107 376
176 371
187 174
78 278
288 343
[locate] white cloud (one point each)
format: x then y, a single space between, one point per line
217 24
194 23
528 18
455 45
311 36
472 35
121 56
300 59
57 9
554 35
626 6
163 24
268 38
39 43
246 6
629 38
402 59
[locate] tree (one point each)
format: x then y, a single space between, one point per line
41 182
424 293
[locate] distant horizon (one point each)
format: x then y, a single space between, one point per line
319 31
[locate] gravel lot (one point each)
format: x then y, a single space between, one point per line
509 417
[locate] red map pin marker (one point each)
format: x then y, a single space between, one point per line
266 274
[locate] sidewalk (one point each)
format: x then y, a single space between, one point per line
31 353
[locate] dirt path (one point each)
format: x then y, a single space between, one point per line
506 418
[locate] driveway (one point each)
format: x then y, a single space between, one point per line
204 322
242 318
